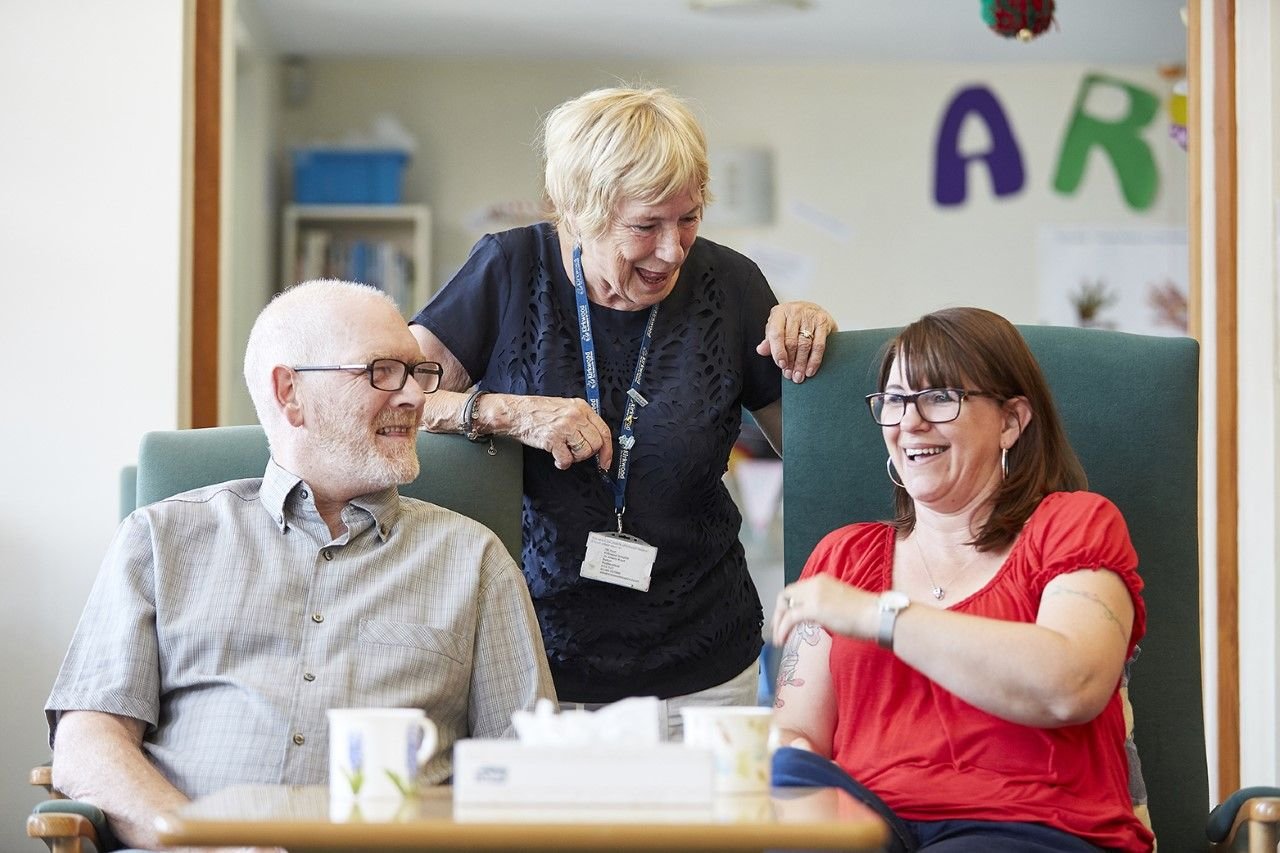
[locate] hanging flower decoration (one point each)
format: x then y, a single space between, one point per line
1177 102
1023 19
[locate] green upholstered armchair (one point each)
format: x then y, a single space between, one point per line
457 474
1130 405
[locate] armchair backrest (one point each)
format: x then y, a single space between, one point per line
457 474
1129 403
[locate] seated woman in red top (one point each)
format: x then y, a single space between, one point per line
962 662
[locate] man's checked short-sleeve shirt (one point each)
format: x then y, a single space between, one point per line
229 620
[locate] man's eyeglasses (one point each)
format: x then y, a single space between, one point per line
389 374
935 405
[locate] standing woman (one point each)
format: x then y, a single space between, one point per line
619 348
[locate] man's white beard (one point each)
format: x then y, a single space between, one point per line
348 448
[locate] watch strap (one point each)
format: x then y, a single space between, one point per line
888 618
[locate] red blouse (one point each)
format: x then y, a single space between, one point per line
932 756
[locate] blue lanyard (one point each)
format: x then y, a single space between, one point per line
626 435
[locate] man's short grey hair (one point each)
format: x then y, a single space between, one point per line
298 326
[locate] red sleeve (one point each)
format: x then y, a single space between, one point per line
859 554
1071 531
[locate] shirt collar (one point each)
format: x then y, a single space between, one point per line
278 484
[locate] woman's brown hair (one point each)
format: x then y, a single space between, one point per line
978 349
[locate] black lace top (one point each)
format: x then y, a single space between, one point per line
509 317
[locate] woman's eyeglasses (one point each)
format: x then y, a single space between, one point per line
935 405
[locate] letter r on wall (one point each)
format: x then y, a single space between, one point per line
1121 140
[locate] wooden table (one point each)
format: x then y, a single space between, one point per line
300 818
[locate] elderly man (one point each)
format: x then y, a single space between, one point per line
226 620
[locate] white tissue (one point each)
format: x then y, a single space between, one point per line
633 721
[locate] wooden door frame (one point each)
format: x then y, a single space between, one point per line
206 201
1223 208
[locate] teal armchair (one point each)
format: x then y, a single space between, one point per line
455 473
1130 405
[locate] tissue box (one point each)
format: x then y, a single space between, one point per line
343 176
510 772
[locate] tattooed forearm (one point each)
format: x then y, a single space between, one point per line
1111 616
805 632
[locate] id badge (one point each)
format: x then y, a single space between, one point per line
619 559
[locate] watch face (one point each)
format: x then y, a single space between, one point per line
893 600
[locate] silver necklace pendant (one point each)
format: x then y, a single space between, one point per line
939 593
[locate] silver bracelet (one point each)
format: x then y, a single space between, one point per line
468 426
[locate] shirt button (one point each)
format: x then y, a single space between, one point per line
317 617
384 530
299 739
308 676
328 555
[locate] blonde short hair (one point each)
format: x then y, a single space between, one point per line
613 145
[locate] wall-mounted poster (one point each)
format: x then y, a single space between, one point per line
1128 279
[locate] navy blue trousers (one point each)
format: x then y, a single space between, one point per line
798 768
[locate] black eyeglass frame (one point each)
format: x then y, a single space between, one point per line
434 369
961 394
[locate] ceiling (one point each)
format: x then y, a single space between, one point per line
1129 32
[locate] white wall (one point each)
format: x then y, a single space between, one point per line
90 165
853 142
252 100
1258 389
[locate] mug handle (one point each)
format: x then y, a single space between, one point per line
429 737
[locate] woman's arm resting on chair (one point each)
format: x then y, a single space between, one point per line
553 424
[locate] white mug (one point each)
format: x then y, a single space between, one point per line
377 753
739 738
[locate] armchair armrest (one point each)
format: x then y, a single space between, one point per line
66 825
1257 808
42 777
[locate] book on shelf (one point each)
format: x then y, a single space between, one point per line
379 263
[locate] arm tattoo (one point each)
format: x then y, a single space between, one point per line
1111 616
805 632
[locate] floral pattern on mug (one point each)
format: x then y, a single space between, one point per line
355 755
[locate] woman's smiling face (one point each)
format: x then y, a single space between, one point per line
637 261
949 467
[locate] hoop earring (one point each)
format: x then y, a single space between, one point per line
888 467
1004 463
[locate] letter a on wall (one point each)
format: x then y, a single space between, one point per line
1004 160
1121 140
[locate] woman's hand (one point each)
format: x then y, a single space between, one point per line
837 607
566 427
795 336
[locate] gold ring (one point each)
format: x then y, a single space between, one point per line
805 333
577 445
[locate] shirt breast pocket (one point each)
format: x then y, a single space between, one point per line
408 636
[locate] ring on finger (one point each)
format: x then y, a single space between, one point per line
577 445
806 334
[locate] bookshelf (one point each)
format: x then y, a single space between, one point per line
386 245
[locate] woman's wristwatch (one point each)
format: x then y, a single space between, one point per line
892 602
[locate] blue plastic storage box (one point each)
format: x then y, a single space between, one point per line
345 176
